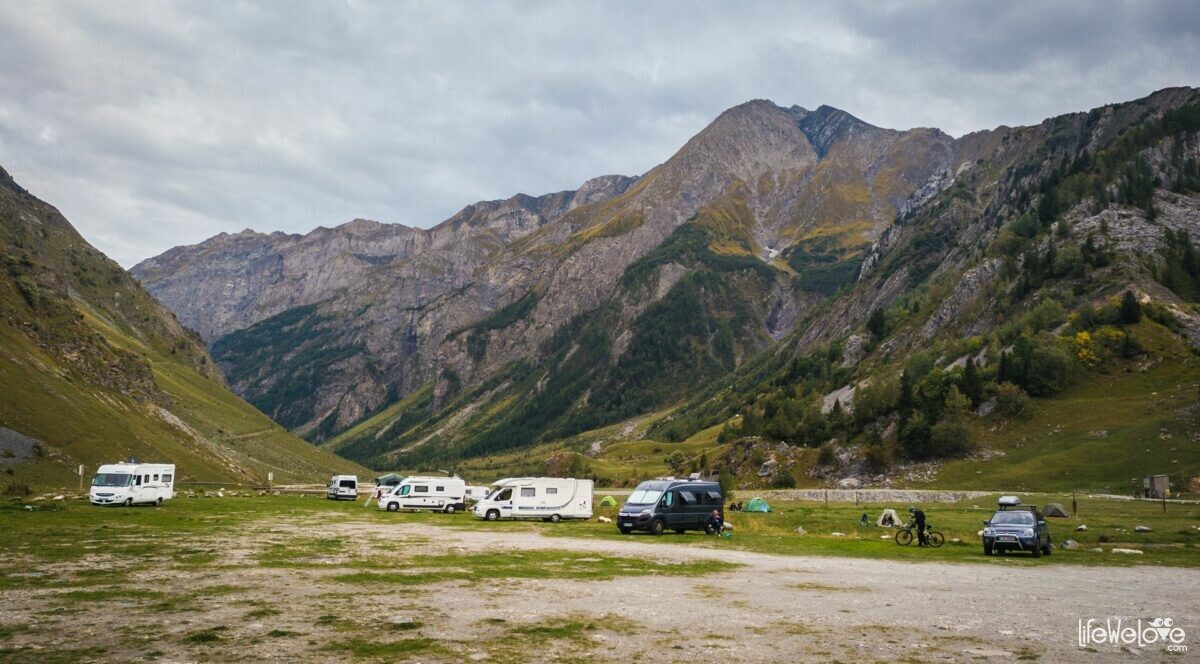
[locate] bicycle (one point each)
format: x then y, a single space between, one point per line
905 536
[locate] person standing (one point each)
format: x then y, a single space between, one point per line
918 517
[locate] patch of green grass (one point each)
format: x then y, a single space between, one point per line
419 570
112 594
209 635
282 633
404 647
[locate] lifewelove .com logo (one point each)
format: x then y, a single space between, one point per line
1157 632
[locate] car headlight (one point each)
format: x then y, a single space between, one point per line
1028 532
988 532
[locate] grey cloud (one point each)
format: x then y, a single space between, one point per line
160 123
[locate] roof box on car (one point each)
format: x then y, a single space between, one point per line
1009 501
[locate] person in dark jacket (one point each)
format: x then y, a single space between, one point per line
715 524
918 517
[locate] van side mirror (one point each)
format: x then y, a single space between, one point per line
1041 523
987 523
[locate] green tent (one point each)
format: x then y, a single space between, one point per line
608 501
756 505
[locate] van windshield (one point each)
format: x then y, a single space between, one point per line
348 484
644 497
112 479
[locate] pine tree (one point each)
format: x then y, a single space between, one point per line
1131 309
972 384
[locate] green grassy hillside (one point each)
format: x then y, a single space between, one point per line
93 370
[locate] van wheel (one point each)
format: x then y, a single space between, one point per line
554 518
393 507
129 502
449 509
987 550
1037 550
657 526
159 501
493 515
625 531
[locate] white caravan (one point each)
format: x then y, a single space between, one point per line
342 487
133 484
477 493
546 498
447 494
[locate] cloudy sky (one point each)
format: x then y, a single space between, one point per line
152 124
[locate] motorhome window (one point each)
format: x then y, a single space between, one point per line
156 477
551 490
440 489
644 497
112 479
688 497
404 490
504 495
528 492
347 484
421 488
167 478
137 480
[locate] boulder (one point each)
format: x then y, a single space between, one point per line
1069 545
800 530
837 534
1096 550
1141 529
59 497
1081 528
849 483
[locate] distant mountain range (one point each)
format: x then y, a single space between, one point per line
788 276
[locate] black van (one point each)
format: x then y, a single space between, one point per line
679 505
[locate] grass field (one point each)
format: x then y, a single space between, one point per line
208 579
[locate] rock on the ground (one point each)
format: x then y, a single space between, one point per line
1141 529
1069 544
1081 528
1129 552
849 483
837 534
800 530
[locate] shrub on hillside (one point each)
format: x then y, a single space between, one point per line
1011 400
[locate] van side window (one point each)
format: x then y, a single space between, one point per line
551 490
688 497
668 499
505 494
138 479
405 489
528 492
421 488
714 497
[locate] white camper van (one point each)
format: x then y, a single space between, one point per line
447 494
342 487
133 484
546 498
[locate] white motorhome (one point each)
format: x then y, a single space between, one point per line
133 484
342 487
477 493
447 494
546 498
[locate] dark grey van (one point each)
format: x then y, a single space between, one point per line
679 505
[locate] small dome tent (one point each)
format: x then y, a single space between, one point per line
1055 510
608 501
756 505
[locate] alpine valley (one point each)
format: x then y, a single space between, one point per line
794 298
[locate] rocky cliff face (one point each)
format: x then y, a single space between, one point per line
532 317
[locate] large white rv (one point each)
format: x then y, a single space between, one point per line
447 494
546 498
133 484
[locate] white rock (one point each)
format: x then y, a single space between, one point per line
1130 552
1141 529
800 530
1096 550
1081 528
604 519
837 534
59 497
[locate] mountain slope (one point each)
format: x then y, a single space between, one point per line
446 315
93 370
